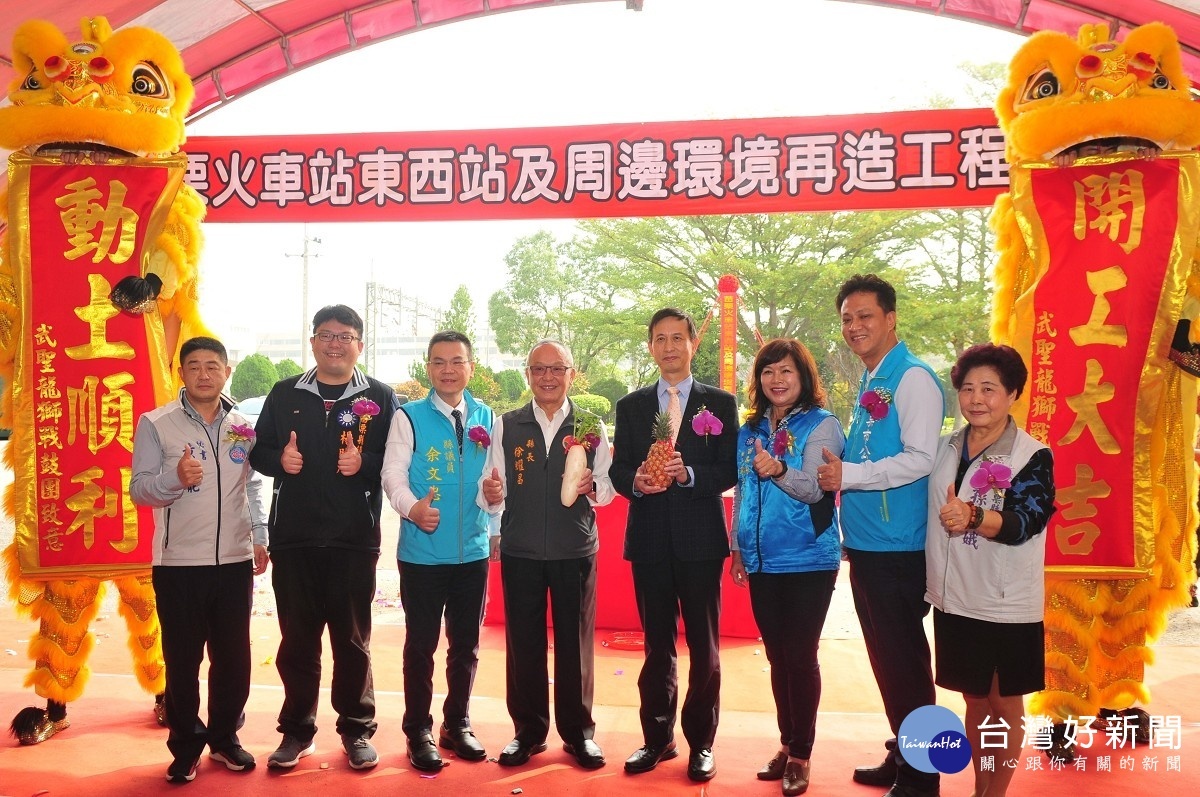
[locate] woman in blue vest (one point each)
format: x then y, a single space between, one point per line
785 542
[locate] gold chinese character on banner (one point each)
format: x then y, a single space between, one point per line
83 504
1111 202
1096 331
1076 502
47 387
41 336
48 464
82 213
96 313
101 422
1044 349
1045 325
1087 410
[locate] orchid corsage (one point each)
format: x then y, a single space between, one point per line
988 481
365 409
782 442
240 433
876 402
479 436
705 423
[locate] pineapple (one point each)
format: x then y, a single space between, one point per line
660 451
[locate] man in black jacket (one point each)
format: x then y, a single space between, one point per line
321 437
677 541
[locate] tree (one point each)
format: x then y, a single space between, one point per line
512 383
612 389
413 389
461 316
286 368
254 376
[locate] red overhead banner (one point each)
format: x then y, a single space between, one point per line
907 160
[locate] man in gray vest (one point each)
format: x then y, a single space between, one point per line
547 548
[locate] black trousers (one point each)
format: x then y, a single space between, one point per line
427 592
889 597
665 591
197 607
571 586
790 610
317 588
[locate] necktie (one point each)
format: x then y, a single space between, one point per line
458 428
674 411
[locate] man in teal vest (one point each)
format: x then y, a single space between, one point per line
883 479
431 470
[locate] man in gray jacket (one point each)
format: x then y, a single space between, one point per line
191 462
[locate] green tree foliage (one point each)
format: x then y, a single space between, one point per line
597 291
286 368
512 383
461 315
597 405
612 389
254 376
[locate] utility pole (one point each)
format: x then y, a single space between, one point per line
305 320
383 312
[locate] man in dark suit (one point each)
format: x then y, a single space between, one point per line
677 541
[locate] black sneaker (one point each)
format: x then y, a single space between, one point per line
290 751
361 751
183 770
234 757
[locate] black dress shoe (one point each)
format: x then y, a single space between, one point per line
882 775
646 757
701 765
774 768
462 742
516 753
423 754
587 753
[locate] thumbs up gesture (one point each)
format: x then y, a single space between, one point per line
349 458
290 460
493 488
425 514
955 514
765 465
829 474
189 470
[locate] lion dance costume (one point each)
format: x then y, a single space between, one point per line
97 289
1096 282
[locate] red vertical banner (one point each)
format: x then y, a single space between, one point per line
84 370
727 289
1113 244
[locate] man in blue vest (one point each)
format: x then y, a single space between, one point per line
431 470
883 478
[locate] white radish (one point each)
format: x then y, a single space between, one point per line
572 473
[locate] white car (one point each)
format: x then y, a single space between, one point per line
251 407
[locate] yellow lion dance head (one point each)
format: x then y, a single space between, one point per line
125 93
1065 94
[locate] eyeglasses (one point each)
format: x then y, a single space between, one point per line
457 364
330 337
556 370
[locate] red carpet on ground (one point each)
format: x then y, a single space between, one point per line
114 747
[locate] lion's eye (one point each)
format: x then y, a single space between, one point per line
1160 81
149 82
1041 85
31 82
